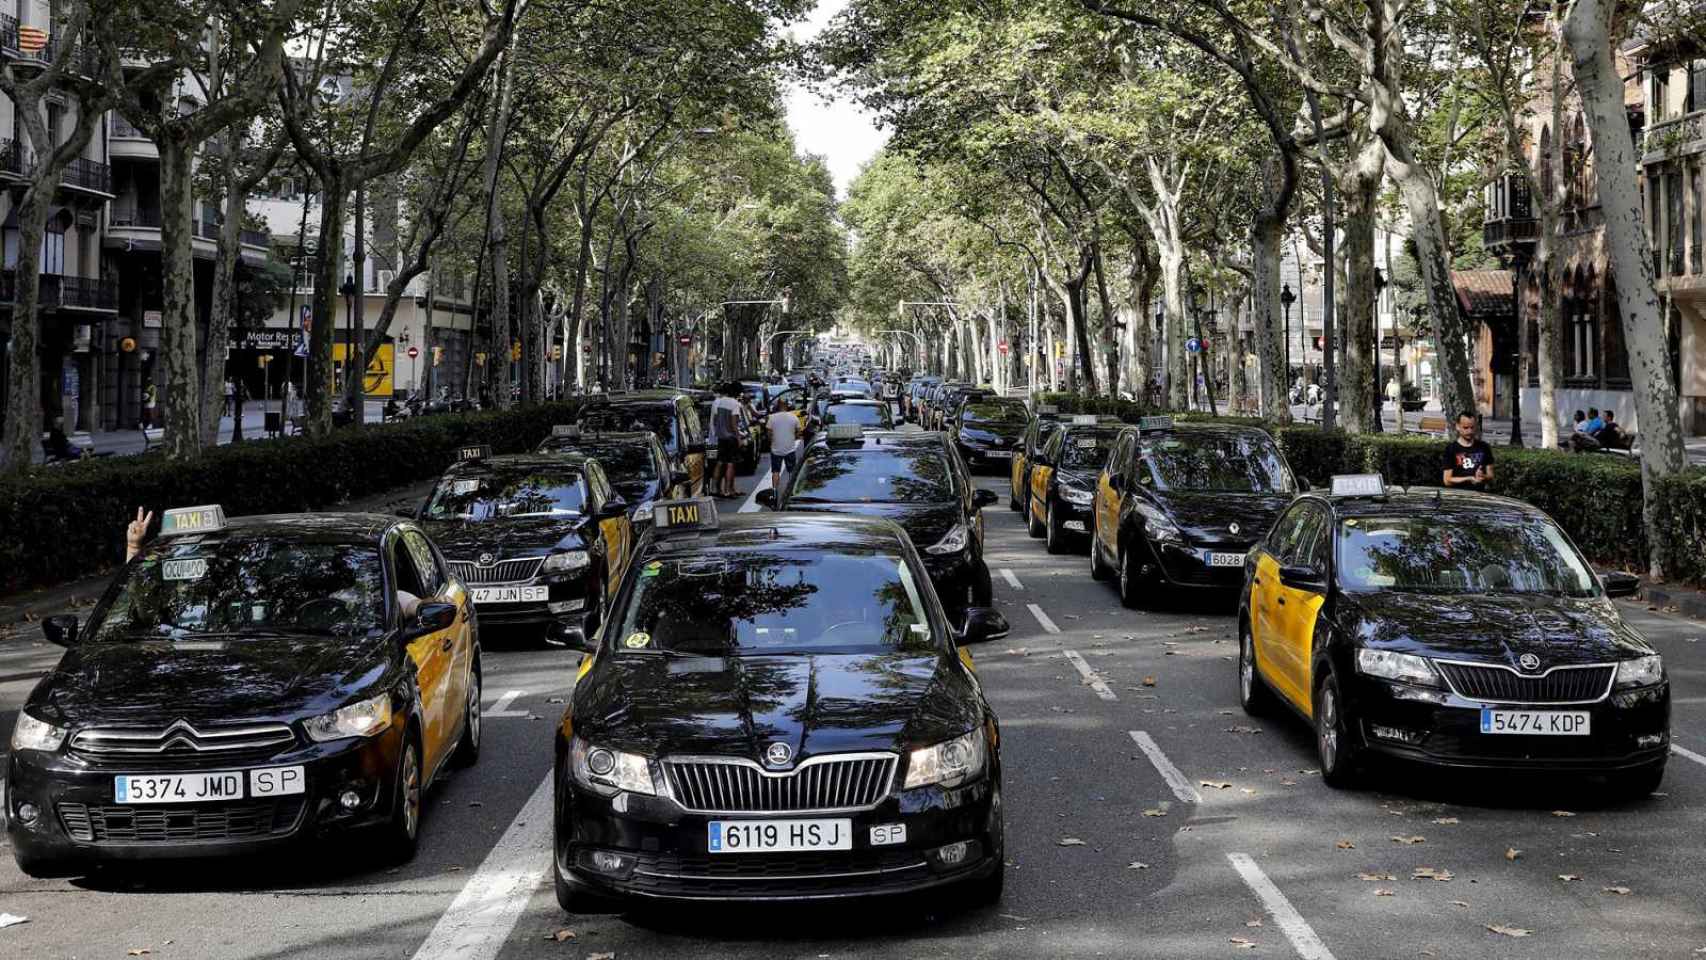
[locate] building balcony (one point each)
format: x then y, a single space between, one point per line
77 294
128 216
89 176
256 238
1505 237
1677 137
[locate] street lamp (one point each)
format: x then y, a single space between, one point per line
1379 388
1287 298
348 290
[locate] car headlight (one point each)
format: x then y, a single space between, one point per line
1405 667
607 771
642 513
363 718
1639 672
1076 496
32 734
564 561
949 764
953 542
1159 525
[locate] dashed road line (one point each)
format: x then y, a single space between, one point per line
479 921
1090 676
1011 578
1688 754
1042 618
1175 779
501 707
1291 923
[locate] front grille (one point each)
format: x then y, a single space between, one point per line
1491 683
778 874
181 739
502 571
844 782
240 820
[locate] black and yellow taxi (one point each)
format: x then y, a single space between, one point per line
1043 424
669 414
778 709
1064 477
1178 506
915 479
987 429
634 463
541 539
244 684
1451 629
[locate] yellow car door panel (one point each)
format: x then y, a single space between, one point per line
434 658
1040 475
1266 630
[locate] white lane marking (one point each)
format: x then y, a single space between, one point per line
1042 618
501 707
751 504
1291 923
1096 682
1688 754
479 921
1181 787
1011 578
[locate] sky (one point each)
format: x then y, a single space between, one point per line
835 129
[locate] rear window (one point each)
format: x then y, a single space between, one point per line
900 475
862 414
499 493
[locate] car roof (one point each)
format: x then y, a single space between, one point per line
624 438
526 461
1430 501
787 531
1218 429
856 402
886 440
323 527
635 397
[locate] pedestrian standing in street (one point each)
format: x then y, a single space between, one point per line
1468 460
230 397
784 427
725 431
150 400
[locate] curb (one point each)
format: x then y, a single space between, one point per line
1689 603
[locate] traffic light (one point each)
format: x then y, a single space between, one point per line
515 349
556 351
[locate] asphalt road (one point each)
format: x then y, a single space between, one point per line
1147 817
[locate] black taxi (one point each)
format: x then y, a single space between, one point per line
244 684
1452 629
1179 506
633 462
987 429
541 540
1043 425
669 414
777 709
1063 480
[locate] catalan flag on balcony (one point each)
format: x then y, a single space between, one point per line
31 39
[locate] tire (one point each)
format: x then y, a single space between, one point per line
1637 784
1335 749
1131 589
1253 693
1012 497
468 748
1054 538
1033 526
400 836
1098 571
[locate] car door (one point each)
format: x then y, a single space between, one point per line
1109 485
1041 472
1021 456
690 440
1296 608
616 532
1266 632
440 587
434 656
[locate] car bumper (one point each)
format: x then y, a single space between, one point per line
1191 565
77 820
1073 518
566 605
665 854
978 455
955 575
1626 730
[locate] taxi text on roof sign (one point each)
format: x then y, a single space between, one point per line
684 516
1047 410
479 452
1146 424
193 519
1085 420
845 431
565 430
1359 485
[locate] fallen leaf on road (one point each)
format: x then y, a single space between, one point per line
1069 842
1507 931
1569 877
601 956
1310 772
1383 892
561 935
1242 943
1288 783
1511 853
475 803
1253 922
556 700
1137 865
1375 876
1409 841
1149 681
1620 891
1154 812
12 919
138 952
1240 728
1460 903
1562 813
1216 784
1345 845
1430 873
1445 821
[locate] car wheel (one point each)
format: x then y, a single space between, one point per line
1033 526
1098 571
401 834
468 748
1131 587
1637 784
1335 749
1013 503
1055 539
1253 693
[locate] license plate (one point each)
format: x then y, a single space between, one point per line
1226 559
1544 723
1077 525
208 787
778 836
1000 454
511 594
710 454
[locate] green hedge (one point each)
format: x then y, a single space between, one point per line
66 522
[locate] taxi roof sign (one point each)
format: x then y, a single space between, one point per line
845 431
480 451
1359 485
570 430
680 517
192 520
1147 424
1085 420
1047 410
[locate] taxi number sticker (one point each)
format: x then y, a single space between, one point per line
1086 444
192 569
637 640
460 488
652 569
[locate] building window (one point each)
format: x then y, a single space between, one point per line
1581 339
1696 93
1673 218
1698 194
1616 353
1658 82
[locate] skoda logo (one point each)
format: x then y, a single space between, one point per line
778 754
486 559
1233 527
1529 661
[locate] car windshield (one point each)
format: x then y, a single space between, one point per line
1085 449
192 586
657 420
756 604
1217 463
495 493
866 415
1007 413
898 475
1461 554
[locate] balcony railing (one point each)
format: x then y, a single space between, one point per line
205 229
1671 137
1498 233
135 217
59 292
15 157
88 175
255 238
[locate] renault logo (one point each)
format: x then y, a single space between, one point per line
1529 661
778 754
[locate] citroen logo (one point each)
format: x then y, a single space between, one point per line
486 559
1233 527
1529 661
778 754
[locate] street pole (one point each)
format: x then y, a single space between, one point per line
1379 388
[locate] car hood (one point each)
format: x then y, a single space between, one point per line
1207 517
1082 479
227 680
737 706
1496 628
517 537
924 523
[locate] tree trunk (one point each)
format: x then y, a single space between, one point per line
1450 331
1548 269
496 241
23 383
181 397
1644 322
355 352
1358 393
224 296
317 414
1267 233
1105 335
1178 385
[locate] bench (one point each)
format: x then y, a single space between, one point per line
1431 423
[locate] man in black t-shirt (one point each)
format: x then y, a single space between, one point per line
1468 460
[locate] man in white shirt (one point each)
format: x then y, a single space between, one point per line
725 434
784 427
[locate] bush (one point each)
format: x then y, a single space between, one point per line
68 522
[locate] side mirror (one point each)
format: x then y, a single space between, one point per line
982 625
60 630
1301 577
431 617
984 498
679 478
1617 584
613 508
767 498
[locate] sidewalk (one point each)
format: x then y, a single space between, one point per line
127 442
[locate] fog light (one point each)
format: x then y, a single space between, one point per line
955 854
27 812
1395 733
566 606
1650 740
349 799
1404 691
613 864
